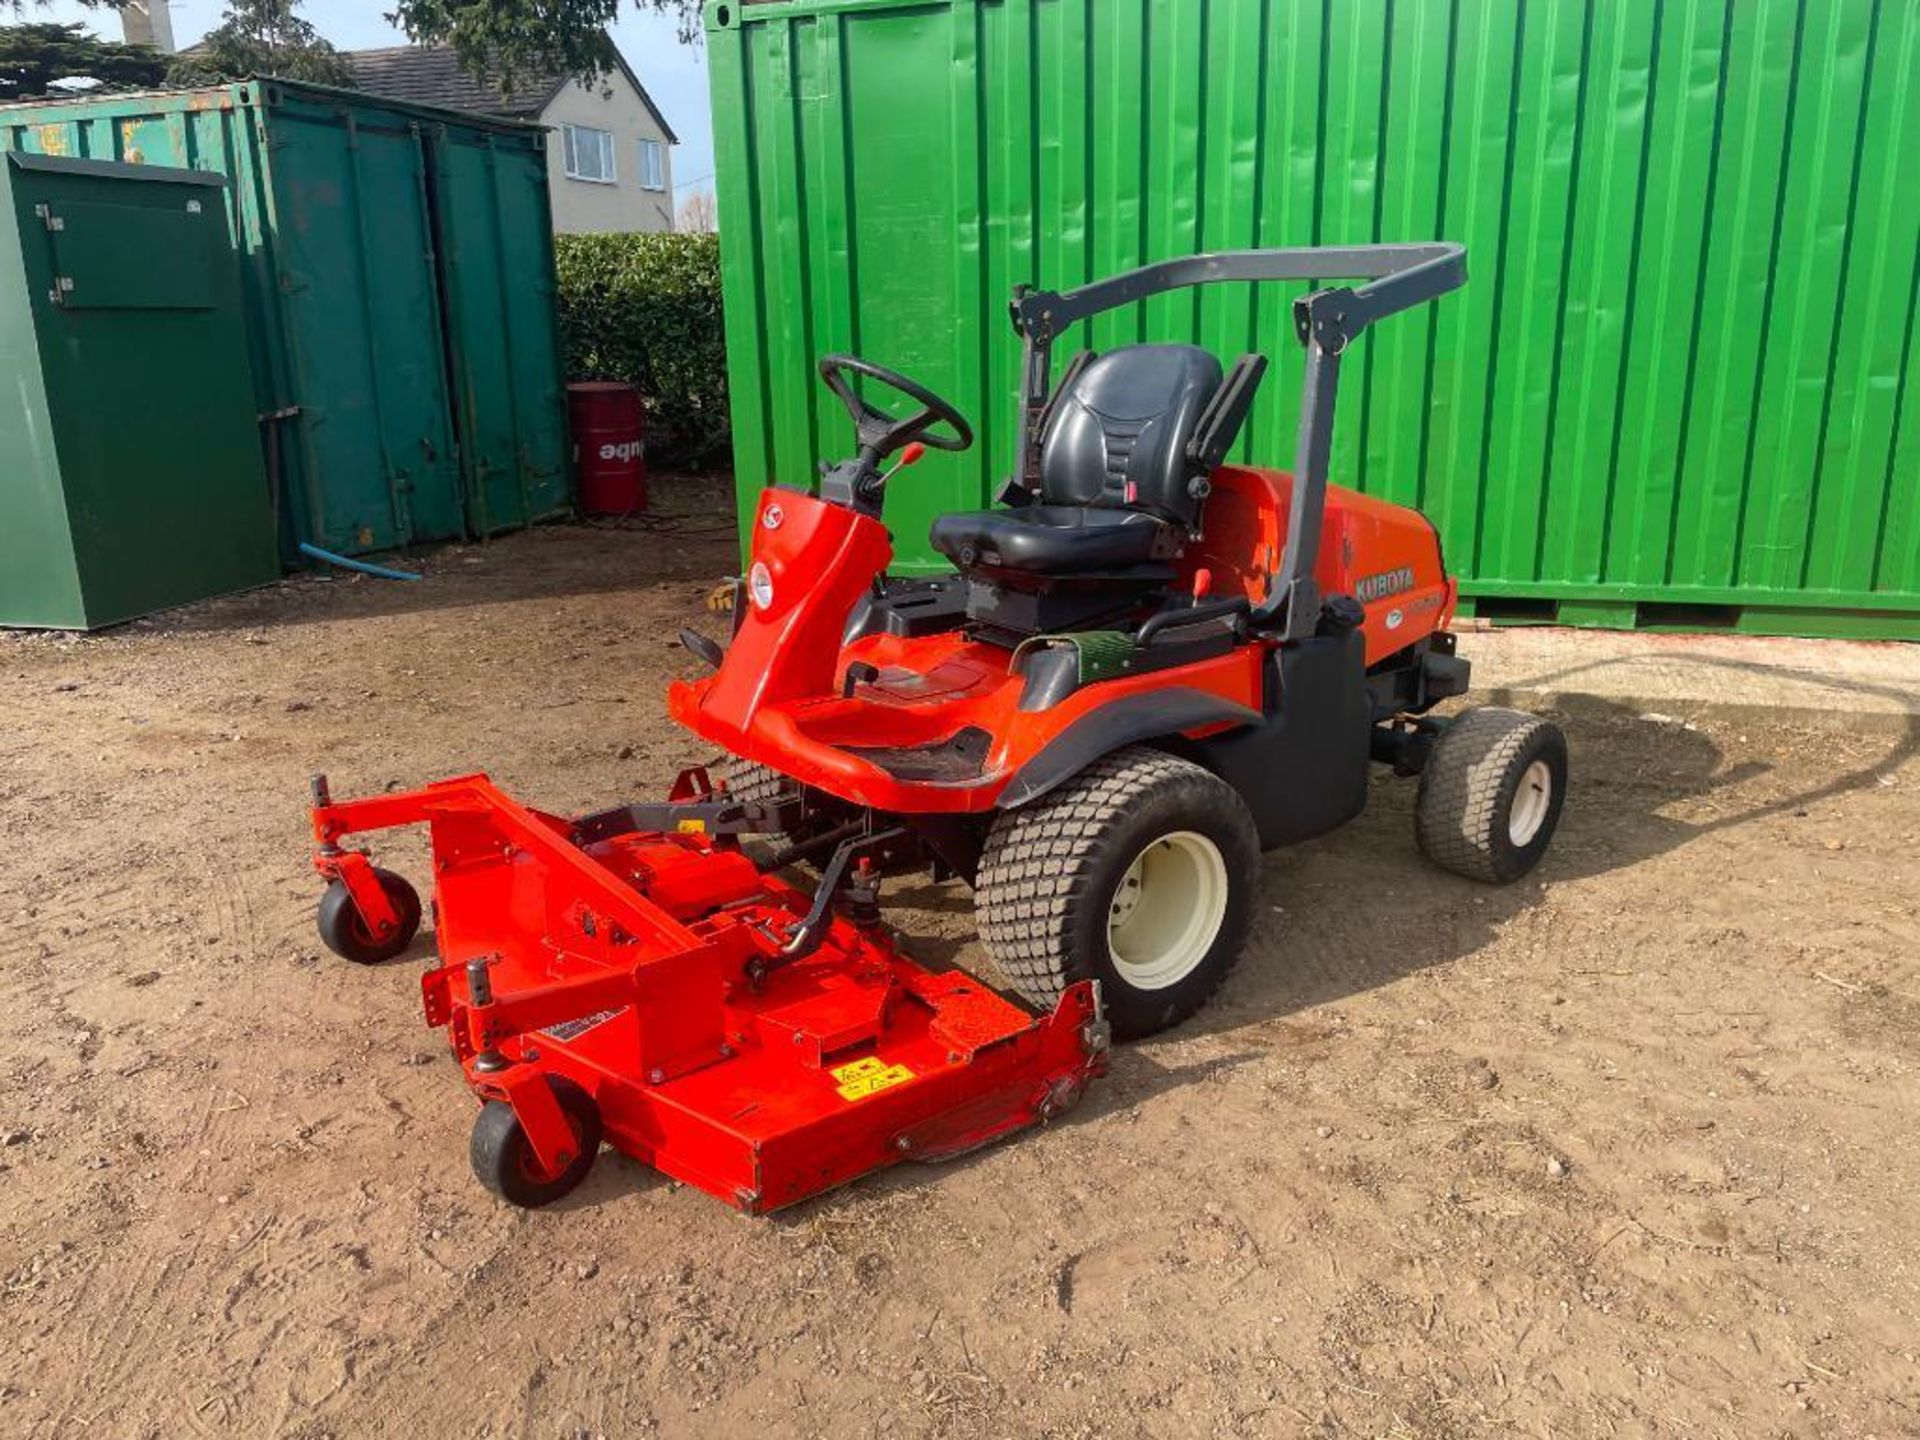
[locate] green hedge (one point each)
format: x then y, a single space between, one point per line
646 309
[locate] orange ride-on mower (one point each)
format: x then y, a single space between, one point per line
1148 666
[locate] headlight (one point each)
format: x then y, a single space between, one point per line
760 585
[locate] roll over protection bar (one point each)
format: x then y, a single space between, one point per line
1325 322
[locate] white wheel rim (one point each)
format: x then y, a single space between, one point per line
1530 803
1167 910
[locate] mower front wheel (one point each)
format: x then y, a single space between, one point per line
345 931
1139 873
504 1160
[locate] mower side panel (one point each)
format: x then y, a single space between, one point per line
1384 555
1303 771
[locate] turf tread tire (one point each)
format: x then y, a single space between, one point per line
749 782
1467 790
753 784
1049 868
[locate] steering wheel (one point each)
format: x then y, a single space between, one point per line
880 433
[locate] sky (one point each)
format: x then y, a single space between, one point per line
675 75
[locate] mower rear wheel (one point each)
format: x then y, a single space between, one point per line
1491 793
504 1159
345 931
1139 873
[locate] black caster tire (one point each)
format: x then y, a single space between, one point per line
504 1160
344 930
1491 794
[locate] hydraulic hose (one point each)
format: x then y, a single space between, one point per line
365 567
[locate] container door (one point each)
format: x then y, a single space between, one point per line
363 327
213 130
496 244
149 405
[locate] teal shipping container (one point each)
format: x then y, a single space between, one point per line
494 235
1678 390
130 467
398 275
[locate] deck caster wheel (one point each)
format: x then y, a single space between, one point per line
1491 793
1138 872
345 931
503 1158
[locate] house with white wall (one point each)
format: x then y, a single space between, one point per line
609 149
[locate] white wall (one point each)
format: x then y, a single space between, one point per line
586 207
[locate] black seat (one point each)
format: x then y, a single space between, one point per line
1052 539
1118 479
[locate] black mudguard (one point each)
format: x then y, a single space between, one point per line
1152 716
1302 770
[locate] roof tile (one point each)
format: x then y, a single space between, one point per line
431 75
422 75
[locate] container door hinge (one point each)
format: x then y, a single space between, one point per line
53 222
62 287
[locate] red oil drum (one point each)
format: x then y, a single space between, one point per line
609 446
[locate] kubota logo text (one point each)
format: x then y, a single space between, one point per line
623 449
1387 582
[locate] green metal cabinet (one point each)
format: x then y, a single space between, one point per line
1679 388
369 246
130 463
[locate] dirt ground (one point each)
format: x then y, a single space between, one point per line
1624 1150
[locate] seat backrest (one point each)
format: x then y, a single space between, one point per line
1118 433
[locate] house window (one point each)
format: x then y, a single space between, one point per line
653 165
588 153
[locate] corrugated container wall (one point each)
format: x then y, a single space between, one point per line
494 233
399 296
1672 393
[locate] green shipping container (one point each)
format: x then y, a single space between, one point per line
376 366
130 474
1672 393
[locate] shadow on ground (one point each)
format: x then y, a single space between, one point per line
1630 776
689 535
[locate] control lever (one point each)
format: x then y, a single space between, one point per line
858 673
909 456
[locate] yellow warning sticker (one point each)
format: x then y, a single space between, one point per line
691 827
867 1077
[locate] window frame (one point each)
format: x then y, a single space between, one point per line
609 152
658 151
